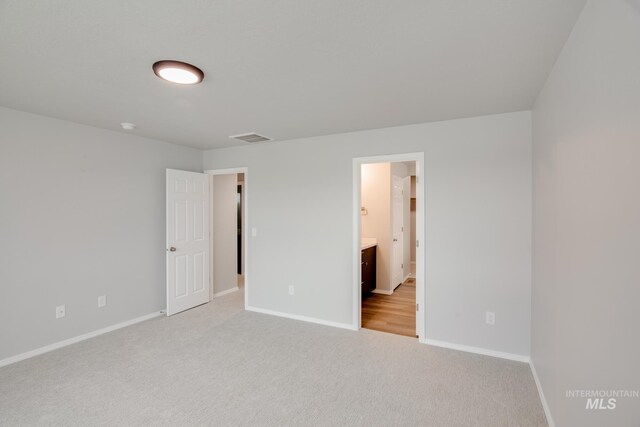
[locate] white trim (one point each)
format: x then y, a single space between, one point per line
211 236
245 226
228 171
228 291
64 343
303 318
421 326
382 292
478 350
545 405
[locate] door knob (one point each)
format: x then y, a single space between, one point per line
172 249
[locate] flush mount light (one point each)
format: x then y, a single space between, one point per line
178 72
128 126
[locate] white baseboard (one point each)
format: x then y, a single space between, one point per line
302 318
545 405
477 350
64 343
228 291
382 292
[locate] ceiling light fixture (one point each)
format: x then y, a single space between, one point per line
178 72
128 126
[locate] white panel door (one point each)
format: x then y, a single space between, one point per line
187 240
397 219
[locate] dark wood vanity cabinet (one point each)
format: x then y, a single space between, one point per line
368 270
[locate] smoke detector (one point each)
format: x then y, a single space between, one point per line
251 137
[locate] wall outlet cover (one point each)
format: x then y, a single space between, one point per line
291 290
490 318
61 311
102 301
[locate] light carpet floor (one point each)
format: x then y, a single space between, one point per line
219 365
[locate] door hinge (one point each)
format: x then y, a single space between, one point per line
417 179
417 307
401 265
417 243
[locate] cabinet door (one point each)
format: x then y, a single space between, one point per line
372 266
368 270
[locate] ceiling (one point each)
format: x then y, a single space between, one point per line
285 68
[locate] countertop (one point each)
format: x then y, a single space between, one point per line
367 242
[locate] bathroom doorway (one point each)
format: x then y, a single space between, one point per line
388 229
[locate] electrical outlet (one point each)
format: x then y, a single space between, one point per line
291 290
254 232
102 301
490 318
60 311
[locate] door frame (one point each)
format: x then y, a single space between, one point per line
245 227
418 157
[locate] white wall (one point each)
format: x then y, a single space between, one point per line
586 288
82 214
224 208
376 198
478 224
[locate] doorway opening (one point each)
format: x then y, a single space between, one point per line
240 222
388 230
229 242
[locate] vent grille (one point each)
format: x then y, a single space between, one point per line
251 137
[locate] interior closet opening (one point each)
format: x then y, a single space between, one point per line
228 232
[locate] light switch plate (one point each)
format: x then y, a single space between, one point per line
61 311
490 318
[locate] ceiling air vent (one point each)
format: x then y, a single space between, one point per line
250 137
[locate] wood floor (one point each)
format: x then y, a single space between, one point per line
395 313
